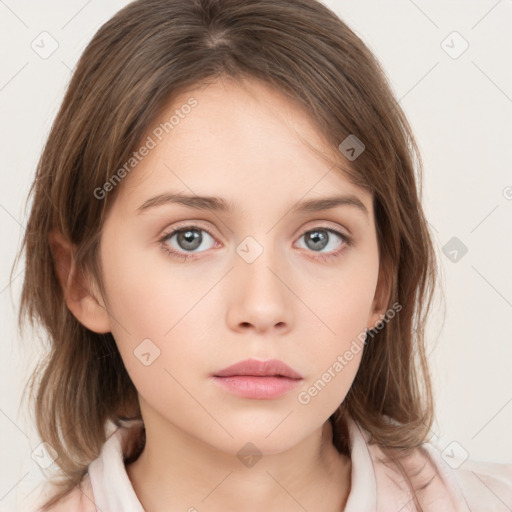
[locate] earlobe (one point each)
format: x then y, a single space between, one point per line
78 295
376 319
381 299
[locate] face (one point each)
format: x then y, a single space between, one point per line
261 278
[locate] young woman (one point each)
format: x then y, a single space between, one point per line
228 251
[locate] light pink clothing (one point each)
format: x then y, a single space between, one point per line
375 487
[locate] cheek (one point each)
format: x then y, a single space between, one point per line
342 308
155 313
344 301
335 356
145 297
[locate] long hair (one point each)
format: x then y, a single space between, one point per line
136 63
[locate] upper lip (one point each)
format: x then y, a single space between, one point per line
271 367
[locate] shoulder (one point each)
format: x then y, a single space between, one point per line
485 485
80 499
439 481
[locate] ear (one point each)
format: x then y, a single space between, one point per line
78 294
382 296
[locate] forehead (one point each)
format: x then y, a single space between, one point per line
238 138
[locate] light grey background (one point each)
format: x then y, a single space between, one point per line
460 108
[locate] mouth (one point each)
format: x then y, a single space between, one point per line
255 368
261 380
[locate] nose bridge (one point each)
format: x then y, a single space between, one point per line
262 298
258 259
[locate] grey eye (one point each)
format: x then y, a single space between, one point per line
318 239
188 239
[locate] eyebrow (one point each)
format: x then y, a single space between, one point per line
219 204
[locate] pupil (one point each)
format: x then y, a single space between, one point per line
190 239
319 239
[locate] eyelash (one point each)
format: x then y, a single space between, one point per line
184 257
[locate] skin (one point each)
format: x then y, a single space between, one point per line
245 143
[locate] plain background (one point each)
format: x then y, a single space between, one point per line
459 104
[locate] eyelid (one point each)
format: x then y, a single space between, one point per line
325 224
184 225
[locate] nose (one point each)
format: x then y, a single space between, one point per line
260 297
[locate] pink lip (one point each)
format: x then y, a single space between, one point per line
258 379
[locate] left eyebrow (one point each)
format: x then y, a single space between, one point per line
222 205
328 203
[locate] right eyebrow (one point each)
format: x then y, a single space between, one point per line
196 202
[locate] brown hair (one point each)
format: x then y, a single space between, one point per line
136 63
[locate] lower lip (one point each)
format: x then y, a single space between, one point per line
261 388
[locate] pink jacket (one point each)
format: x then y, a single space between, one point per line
472 487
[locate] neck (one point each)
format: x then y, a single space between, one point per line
176 471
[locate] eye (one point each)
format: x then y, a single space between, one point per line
188 239
319 238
